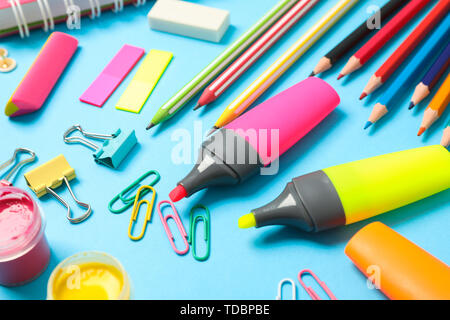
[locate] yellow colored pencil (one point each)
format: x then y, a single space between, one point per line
283 63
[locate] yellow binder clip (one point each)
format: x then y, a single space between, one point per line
51 175
136 208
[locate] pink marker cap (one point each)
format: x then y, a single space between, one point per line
293 113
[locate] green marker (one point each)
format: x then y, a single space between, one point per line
220 63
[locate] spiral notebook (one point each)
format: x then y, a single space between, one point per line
22 16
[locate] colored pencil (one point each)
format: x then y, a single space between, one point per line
404 50
340 50
283 63
436 107
411 71
186 93
383 36
432 77
445 141
256 51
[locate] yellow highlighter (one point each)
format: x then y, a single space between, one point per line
355 191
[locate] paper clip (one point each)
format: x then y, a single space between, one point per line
177 220
51 175
128 202
310 290
280 288
5 182
136 208
193 221
115 147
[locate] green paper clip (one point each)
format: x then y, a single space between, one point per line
206 217
128 202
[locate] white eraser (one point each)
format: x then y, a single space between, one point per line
189 19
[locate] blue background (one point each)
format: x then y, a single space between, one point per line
244 264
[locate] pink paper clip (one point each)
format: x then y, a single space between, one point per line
177 220
310 290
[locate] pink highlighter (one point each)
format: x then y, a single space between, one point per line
43 74
256 139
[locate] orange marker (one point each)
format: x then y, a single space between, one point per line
436 107
399 268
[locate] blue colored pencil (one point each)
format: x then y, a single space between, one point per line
411 71
432 77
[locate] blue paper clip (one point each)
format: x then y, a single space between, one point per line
115 147
193 221
177 220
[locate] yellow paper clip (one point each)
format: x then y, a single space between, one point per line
51 175
135 212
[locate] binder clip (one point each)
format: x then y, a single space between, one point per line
177 220
51 175
280 288
136 208
193 221
5 182
115 147
128 202
310 290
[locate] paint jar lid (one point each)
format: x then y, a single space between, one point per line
20 223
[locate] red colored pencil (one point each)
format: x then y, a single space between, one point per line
383 36
404 50
234 71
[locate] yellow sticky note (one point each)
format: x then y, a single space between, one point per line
143 82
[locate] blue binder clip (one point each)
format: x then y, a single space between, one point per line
115 147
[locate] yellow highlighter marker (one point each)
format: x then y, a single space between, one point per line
144 81
356 191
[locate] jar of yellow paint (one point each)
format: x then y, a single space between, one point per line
89 276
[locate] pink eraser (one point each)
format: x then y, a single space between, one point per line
43 74
290 115
113 74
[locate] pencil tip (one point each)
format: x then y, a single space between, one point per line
421 131
340 76
198 106
363 95
368 124
312 74
213 129
150 125
411 105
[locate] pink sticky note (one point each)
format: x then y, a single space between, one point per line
113 74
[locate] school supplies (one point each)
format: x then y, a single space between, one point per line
431 78
24 251
114 149
398 267
356 191
283 63
51 175
194 219
112 75
338 52
43 74
254 141
189 19
21 16
6 64
436 107
179 224
310 290
256 51
405 49
445 141
89 275
148 215
144 81
411 71
128 202
405 15
280 289
221 62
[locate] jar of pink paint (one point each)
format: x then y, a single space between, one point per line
24 251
